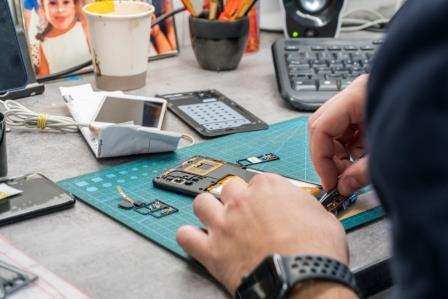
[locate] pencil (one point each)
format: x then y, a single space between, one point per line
230 9
213 9
187 4
250 7
244 8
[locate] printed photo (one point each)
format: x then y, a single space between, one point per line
58 36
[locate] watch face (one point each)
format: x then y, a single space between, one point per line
265 281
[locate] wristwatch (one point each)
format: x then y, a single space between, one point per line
277 275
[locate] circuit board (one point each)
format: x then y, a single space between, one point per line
287 140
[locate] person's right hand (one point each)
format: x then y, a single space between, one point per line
337 146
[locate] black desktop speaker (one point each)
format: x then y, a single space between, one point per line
312 18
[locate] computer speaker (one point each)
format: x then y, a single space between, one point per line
312 18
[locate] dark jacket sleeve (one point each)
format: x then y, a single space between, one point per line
408 145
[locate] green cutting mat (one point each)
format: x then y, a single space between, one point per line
288 140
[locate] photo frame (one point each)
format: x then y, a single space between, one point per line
56 32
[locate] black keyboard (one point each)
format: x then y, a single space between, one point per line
310 71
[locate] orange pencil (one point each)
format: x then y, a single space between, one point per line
187 4
243 8
230 9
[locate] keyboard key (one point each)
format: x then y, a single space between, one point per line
351 48
299 67
305 85
378 42
329 85
317 48
317 62
345 83
367 48
291 47
298 61
334 48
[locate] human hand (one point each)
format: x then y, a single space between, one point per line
337 146
268 215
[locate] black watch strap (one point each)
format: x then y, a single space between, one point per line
302 268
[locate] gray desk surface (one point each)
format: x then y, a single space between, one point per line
102 257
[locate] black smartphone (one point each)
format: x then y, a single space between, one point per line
211 113
38 195
13 73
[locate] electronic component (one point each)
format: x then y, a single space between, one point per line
39 196
201 174
258 159
311 71
157 208
312 18
211 113
13 73
12 279
204 174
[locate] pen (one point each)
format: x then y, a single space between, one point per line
187 4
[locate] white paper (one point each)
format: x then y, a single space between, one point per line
8 191
47 285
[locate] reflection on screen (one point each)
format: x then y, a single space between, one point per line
121 110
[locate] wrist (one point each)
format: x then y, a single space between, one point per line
321 290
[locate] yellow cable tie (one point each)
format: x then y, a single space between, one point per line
42 121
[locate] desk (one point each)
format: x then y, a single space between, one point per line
102 257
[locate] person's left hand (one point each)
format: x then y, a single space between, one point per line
268 215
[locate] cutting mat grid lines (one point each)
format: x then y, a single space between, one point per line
288 140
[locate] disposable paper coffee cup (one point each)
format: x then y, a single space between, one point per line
119 41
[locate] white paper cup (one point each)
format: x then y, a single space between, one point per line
119 41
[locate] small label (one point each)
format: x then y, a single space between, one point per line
7 191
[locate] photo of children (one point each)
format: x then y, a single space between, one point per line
58 37
163 36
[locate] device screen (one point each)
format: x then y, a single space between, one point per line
214 115
12 68
38 194
121 110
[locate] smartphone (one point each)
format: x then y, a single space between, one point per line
39 195
13 73
200 174
204 174
211 113
141 111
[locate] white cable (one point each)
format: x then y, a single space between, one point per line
17 115
357 24
377 14
364 26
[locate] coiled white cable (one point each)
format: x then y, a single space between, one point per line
17 115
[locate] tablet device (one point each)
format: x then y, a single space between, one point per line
211 113
37 195
13 73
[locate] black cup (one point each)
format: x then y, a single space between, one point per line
3 161
218 45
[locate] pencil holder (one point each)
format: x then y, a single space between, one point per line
218 45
